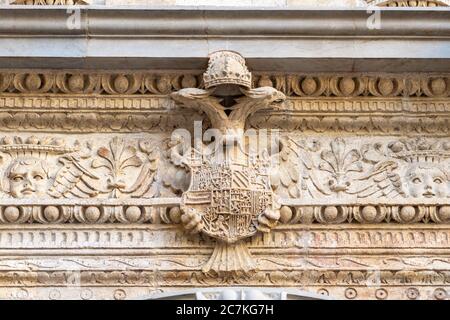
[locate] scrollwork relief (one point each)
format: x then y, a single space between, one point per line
404 168
303 169
47 167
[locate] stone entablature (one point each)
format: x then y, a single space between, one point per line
145 180
98 191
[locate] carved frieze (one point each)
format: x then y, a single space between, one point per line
352 182
40 167
363 259
133 113
390 169
358 116
326 180
129 102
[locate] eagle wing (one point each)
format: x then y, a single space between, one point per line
285 173
73 179
381 181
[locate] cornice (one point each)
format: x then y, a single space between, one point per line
204 21
142 37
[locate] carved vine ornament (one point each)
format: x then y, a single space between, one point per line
223 188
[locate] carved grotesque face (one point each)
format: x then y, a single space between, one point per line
28 177
425 180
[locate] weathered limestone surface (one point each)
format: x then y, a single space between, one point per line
246 3
141 182
92 183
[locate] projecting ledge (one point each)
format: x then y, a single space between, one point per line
408 40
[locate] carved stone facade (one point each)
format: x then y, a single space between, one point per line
224 182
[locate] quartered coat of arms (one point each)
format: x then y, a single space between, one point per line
229 197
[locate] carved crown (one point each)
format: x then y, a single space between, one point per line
34 146
227 67
420 150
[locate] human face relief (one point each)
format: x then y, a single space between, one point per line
28 177
427 181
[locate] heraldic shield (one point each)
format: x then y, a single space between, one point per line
229 196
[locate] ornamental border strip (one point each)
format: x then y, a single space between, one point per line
301 85
167 211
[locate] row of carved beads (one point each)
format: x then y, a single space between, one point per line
352 86
89 214
365 214
292 85
288 215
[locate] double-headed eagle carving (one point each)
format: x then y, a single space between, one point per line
229 196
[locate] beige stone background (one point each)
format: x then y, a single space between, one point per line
250 3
